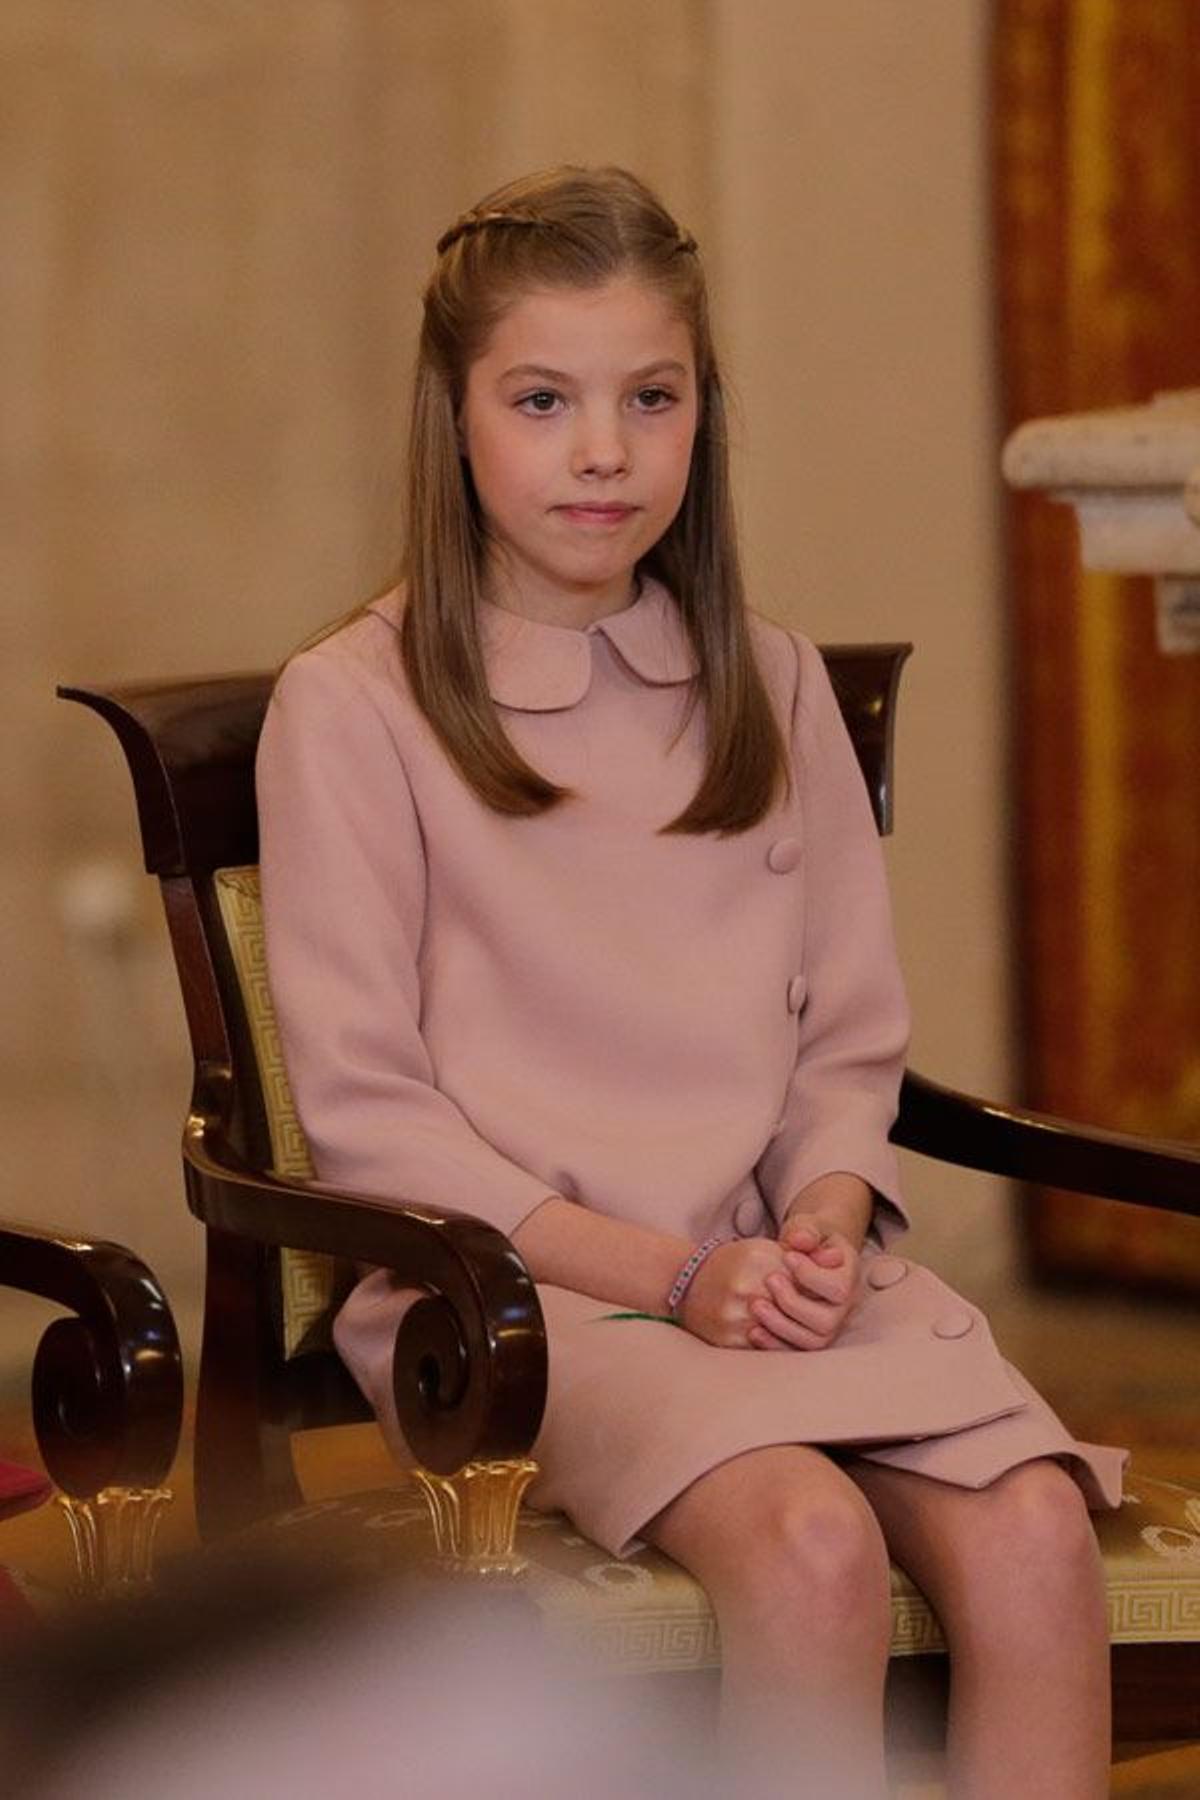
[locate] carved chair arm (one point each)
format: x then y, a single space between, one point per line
469 1367
981 1134
107 1383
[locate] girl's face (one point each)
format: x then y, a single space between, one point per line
577 422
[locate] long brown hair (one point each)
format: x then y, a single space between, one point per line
573 227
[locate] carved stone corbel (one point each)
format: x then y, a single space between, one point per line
1132 474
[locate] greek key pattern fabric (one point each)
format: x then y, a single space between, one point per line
646 1615
312 1283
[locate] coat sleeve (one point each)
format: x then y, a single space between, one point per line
853 1026
343 882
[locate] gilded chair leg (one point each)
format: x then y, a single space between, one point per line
114 1537
474 1515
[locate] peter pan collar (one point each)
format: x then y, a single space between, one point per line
541 668
535 667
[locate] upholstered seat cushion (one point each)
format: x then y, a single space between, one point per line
645 1615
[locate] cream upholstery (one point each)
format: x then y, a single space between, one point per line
645 1615
313 1284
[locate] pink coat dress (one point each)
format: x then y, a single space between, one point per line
480 1011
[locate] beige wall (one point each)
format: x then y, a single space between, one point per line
851 195
217 218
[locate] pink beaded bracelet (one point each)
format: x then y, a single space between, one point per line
689 1271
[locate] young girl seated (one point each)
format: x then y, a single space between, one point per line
576 920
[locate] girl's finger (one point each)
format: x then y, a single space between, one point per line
801 1337
801 1236
826 1248
807 1309
759 1338
819 1316
810 1278
829 1253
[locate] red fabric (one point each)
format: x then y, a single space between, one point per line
15 1608
21 1489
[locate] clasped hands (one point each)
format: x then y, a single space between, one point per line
790 1293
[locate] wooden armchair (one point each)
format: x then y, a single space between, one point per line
470 1360
107 1397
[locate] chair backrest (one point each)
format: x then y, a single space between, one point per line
190 747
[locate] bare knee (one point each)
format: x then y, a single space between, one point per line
1035 1557
1038 1517
823 1552
783 1540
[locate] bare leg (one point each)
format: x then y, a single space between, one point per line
795 1565
1014 1574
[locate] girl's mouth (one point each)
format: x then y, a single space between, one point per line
597 513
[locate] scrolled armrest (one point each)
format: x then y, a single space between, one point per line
469 1367
1004 1140
107 1383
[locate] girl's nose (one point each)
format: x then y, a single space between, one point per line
599 449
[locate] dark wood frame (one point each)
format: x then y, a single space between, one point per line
470 1359
107 1382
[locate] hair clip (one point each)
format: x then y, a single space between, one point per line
474 222
685 244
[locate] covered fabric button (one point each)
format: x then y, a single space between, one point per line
784 855
954 1324
886 1271
795 993
749 1216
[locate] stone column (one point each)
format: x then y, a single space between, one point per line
1133 476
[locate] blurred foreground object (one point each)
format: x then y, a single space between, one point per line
253 1674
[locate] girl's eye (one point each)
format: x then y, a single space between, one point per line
540 402
654 399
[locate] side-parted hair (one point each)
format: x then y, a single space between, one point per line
573 228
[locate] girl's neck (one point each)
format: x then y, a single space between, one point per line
549 604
